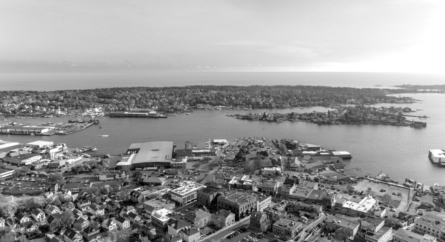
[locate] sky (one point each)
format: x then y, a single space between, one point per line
213 35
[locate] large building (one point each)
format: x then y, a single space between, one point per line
239 203
431 223
187 193
149 154
286 228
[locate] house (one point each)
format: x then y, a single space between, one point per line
199 218
223 218
83 205
38 215
134 217
51 209
90 234
177 225
71 235
81 224
190 235
79 214
28 227
122 223
97 210
109 224
259 220
22 218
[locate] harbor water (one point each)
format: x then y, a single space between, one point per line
400 152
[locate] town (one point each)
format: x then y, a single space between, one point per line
98 102
358 114
250 189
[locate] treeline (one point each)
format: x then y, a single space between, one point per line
189 97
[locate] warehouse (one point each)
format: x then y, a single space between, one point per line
149 154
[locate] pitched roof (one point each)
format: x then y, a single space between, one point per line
121 219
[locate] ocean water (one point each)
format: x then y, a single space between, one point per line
400 152
60 81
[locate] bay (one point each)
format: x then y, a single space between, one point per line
400 152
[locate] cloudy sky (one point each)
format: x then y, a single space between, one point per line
213 35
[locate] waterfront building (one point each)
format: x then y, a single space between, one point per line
367 204
241 204
24 130
23 160
286 228
179 163
403 235
187 193
431 223
149 154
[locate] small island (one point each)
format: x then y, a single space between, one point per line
358 114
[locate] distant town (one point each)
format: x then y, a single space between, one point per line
249 189
98 102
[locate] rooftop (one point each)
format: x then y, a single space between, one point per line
187 186
363 206
159 151
288 224
41 143
161 214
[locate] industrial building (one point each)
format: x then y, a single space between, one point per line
149 154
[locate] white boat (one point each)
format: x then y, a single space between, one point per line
104 135
437 156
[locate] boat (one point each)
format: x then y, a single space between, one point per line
136 115
104 135
437 156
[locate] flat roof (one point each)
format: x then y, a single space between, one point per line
363 206
7 144
41 143
187 186
161 214
438 153
159 151
340 153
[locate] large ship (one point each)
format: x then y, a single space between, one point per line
437 156
137 115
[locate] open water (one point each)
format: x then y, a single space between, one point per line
400 152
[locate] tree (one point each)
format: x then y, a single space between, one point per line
55 225
386 198
8 210
67 218
56 178
8 237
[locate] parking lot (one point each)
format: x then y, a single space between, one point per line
379 189
24 185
